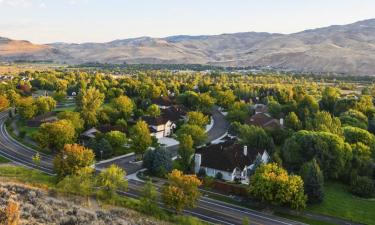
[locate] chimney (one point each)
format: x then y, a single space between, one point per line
197 162
245 150
282 122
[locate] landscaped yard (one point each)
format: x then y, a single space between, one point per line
339 202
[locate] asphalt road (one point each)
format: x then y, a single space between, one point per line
219 129
209 210
19 153
218 212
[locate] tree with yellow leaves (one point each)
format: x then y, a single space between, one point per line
272 184
181 192
72 159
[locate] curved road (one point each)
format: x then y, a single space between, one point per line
209 210
219 129
19 153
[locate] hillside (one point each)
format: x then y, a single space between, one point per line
40 207
341 49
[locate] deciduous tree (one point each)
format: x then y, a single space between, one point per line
141 138
55 135
272 184
71 159
181 192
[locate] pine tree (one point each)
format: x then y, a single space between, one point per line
313 181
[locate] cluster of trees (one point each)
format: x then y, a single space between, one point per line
73 165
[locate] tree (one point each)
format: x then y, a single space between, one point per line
205 102
323 121
185 150
255 137
36 159
365 104
158 161
329 150
55 135
141 138
149 198
272 184
81 183
313 181
110 180
44 104
116 138
153 110
181 192
71 159
197 118
26 108
307 107
74 118
329 97
197 133
89 102
292 121
4 103
354 118
225 98
103 149
123 105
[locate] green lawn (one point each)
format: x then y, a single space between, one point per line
3 160
29 176
67 108
339 202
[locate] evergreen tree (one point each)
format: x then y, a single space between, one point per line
313 181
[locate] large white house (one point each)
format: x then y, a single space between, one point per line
233 160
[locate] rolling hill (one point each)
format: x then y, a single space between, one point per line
346 49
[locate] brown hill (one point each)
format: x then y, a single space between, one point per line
341 49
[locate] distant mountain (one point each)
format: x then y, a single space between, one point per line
341 49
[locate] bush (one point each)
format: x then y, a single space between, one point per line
362 187
201 172
22 134
219 176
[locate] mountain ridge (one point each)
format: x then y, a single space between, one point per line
339 48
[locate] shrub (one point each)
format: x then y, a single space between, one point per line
363 187
219 176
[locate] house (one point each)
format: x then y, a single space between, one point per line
265 121
88 134
174 113
160 126
163 102
260 108
233 160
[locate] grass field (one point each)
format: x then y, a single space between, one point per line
27 176
339 202
3 160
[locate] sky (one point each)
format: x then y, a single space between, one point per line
77 21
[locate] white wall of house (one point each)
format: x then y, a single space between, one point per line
163 130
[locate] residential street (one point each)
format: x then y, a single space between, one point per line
219 129
208 209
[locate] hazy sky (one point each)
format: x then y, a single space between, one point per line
45 21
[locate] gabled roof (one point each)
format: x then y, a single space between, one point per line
90 133
155 121
174 113
263 120
227 156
